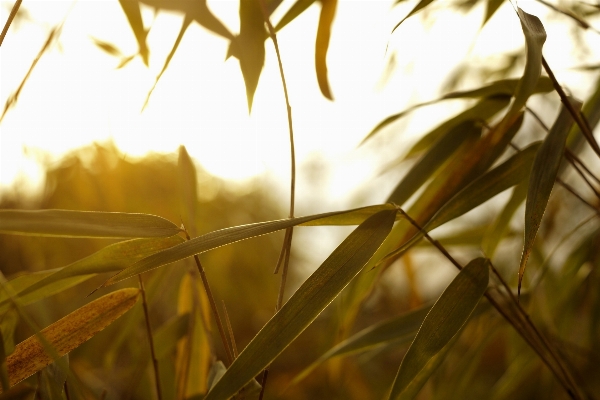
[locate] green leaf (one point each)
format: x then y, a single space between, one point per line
422 4
322 45
396 330
69 223
447 316
353 217
68 333
216 239
115 257
535 36
306 303
295 10
510 173
543 174
131 8
167 336
438 153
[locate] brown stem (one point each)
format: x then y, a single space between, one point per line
11 16
150 338
576 114
230 330
213 304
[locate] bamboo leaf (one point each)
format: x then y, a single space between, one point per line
447 316
535 36
322 45
543 174
216 239
131 8
421 5
510 173
69 223
306 304
396 330
295 10
115 257
68 333
438 153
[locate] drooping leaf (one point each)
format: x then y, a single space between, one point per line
68 333
438 153
543 174
249 46
535 36
306 303
397 330
328 8
447 316
216 239
131 8
112 258
68 223
295 10
421 5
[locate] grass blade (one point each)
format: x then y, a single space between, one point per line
449 313
132 11
543 174
68 333
322 45
112 258
422 4
306 304
220 238
298 8
67 223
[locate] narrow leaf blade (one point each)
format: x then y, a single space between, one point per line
322 45
447 316
68 333
306 304
68 223
543 174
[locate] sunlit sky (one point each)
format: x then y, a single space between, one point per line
76 95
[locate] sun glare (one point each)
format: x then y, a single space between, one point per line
77 95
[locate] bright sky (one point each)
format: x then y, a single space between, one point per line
76 96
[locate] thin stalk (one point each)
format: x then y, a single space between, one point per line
574 193
230 330
150 339
66 389
569 153
11 16
213 305
525 323
577 115
287 242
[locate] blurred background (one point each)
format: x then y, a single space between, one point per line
87 131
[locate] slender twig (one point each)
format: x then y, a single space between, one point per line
230 330
213 304
570 154
150 339
574 193
577 115
563 376
287 242
11 16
